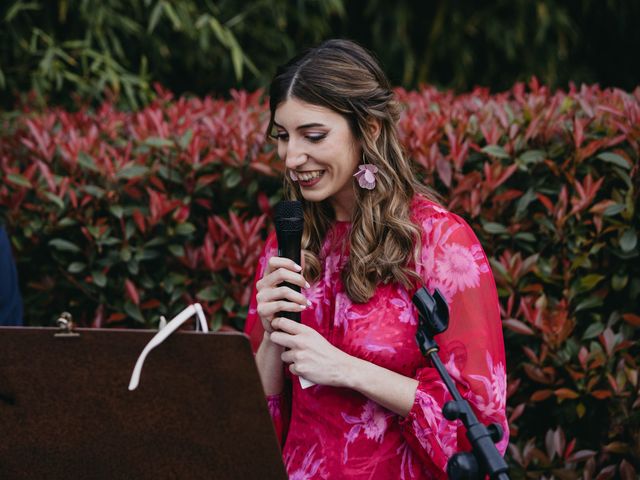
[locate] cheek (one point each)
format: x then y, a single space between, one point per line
282 152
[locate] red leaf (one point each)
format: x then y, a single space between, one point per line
565 393
601 394
517 326
132 292
116 317
546 202
582 455
153 303
632 319
138 218
541 395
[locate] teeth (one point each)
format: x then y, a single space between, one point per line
306 176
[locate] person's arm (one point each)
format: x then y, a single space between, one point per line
270 366
311 356
472 348
268 298
10 300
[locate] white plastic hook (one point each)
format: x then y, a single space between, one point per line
158 338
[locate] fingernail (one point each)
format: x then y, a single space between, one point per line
298 267
309 303
306 285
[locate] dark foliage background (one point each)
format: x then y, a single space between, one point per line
66 48
120 217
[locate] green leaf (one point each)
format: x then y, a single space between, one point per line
629 240
99 278
589 282
154 17
593 330
147 254
158 142
618 282
497 266
117 211
524 201
532 156
177 250
17 7
19 180
615 159
185 228
133 266
496 151
55 199
590 302
228 304
67 222
64 245
185 139
94 191
76 267
526 236
177 25
133 311
614 209
132 171
86 161
125 254
210 294
155 241
231 177
495 228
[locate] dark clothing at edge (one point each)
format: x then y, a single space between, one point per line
10 301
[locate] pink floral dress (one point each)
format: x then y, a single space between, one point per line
329 432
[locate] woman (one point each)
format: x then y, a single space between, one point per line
373 236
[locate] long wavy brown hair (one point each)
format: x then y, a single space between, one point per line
344 77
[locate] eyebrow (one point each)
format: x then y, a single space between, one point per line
301 127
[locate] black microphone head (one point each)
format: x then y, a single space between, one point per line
288 215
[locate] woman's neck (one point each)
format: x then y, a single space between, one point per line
343 204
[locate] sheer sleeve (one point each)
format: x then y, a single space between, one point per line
277 404
472 349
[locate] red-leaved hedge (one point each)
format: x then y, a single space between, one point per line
119 217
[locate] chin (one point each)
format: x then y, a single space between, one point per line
313 196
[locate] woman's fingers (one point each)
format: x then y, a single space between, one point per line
282 293
275 263
284 339
279 276
269 309
289 326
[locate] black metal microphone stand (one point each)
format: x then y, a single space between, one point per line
484 459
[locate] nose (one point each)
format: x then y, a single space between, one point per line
295 156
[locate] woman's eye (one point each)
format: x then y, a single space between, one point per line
280 136
316 137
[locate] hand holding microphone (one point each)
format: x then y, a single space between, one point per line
278 292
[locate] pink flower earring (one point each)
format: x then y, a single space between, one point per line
366 175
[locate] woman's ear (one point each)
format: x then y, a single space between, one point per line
374 127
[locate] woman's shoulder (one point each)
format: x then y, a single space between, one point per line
423 209
432 216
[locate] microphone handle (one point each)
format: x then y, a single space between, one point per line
290 248
295 316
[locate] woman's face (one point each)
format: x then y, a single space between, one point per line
320 152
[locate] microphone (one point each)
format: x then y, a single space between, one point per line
289 220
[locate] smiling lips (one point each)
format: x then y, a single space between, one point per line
306 178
